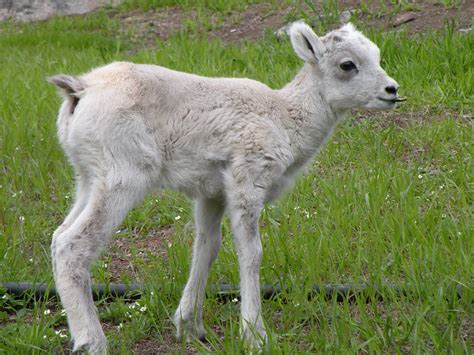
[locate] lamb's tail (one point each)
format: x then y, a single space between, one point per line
70 87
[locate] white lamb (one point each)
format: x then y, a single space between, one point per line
228 143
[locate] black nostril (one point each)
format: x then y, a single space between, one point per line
391 90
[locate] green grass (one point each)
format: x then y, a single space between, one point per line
212 5
381 203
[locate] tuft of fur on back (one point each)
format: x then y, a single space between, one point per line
70 87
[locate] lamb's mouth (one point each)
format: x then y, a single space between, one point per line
396 99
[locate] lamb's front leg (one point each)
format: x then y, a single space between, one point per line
208 219
244 212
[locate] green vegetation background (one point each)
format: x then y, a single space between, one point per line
389 199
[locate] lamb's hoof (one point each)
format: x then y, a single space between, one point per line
88 349
189 329
178 323
203 339
255 339
97 346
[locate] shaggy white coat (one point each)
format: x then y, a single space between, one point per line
233 144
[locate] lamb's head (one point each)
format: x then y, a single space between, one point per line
347 67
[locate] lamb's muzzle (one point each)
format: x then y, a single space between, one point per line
230 144
396 99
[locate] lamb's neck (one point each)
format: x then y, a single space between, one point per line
310 118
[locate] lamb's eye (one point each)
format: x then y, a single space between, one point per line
346 66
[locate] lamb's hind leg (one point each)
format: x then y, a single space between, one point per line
77 246
83 191
208 218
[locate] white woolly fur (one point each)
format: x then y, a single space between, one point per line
230 144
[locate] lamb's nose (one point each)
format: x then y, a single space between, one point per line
391 89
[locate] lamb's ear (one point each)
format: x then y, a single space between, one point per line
305 42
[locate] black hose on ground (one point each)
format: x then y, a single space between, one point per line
223 292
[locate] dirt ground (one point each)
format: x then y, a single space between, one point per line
119 255
252 23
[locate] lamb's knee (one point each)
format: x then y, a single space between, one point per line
209 244
55 237
72 257
54 244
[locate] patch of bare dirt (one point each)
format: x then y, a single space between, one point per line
123 250
252 23
167 345
467 331
148 26
424 16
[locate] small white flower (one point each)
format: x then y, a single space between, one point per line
14 195
143 309
60 333
63 312
66 197
152 293
105 265
17 149
441 187
45 337
31 260
170 244
235 300
177 218
443 216
459 233
120 326
46 312
4 297
420 176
